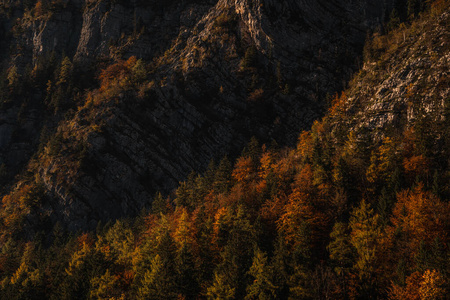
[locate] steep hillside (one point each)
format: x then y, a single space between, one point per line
212 76
359 209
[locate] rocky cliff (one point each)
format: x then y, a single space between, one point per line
216 73
403 84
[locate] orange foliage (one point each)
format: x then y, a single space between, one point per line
304 145
428 285
432 286
184 227
126 278
261 186
421 216
273 209
408 142
116 74
416 165
38 9
233 197
85 239
243 169
300 212
439 5
150 223
337 104
266 165
410 291
16 204
130 63
304 181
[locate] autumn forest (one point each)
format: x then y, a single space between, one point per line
355 210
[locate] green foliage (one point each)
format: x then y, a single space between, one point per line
158 282
262 286
341 250
335 218
159 204
104 287
365 227
220 289
222 176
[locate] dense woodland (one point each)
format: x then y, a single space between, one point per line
341 216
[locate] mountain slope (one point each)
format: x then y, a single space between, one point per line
233 70
358 210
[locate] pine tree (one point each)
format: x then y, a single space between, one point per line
222 177
220 289
422 257
394 20
159 204
281 268
65 72
105 287
262 286
186 274
365 227
183 195
158 282
340 248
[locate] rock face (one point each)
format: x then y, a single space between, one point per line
222 71
407 86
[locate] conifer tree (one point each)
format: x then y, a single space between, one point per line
220 289
159 204
365 227
281 265
186 274
262 286
222 177
158 282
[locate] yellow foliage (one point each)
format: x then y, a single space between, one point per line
426 286
183 233
266 165
304 145
78 259
381 162
431 287
105 287
20 273
17 204
410 291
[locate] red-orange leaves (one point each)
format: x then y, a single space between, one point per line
337 104
243 169
122 75
421 216
416 166
301 223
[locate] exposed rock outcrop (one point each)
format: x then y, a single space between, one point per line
222 72
407 85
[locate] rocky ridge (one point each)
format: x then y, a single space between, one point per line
232 70
407 85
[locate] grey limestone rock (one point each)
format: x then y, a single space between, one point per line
206 102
